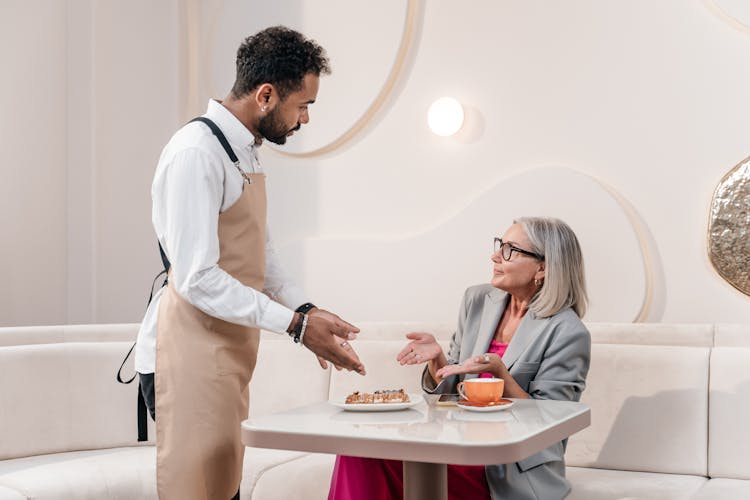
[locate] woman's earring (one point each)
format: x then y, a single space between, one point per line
537 283
263 108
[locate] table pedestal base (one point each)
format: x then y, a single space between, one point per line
425 481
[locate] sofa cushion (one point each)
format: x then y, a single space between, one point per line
729 432
118 473
64 397
688 335
390 330
9 494
286 376
603 484
727 489
312 478
732 335
26 335
649 410
258 461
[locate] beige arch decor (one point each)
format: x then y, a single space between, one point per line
193 57
407 38
641 234
726 16
647 257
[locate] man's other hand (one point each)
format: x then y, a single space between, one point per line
328 337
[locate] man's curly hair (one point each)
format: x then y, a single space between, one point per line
279 56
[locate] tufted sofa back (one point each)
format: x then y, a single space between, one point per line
63 396
664 397
648 391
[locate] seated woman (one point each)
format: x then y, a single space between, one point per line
525 328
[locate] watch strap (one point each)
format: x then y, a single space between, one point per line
305 308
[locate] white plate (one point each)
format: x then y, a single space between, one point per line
485 408
414 399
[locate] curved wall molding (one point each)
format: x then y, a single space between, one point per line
203 24
407 39
736 13
648 253
421 276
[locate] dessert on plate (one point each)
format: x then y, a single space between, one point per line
378 397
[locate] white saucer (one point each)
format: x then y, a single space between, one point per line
486 408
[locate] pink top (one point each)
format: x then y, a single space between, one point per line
495 348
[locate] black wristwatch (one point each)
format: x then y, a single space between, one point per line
304 308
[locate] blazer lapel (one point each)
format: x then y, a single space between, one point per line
527 331
494 304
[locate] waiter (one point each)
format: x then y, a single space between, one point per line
198 343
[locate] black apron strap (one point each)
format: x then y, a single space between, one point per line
224 144
219 135
119 372
141 410
142 417
167 267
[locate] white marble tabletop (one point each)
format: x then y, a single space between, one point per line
423 433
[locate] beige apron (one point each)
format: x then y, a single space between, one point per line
204 365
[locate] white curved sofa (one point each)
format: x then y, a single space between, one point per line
670 413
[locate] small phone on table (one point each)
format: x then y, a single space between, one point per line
447 399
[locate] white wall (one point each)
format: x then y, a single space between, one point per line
647 98
90 95
136 111
33 151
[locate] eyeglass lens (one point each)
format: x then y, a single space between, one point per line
504 249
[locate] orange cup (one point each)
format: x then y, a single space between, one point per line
482 390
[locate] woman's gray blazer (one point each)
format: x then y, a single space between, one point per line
548 357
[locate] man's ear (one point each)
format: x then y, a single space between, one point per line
264 96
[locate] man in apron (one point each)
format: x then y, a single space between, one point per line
198 342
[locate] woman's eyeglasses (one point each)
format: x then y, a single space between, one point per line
505 250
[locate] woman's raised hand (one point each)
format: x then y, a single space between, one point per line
476 364
422 348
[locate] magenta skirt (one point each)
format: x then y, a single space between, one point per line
356 478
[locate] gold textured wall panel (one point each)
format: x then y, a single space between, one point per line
729 227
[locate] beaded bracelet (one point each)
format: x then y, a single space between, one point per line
302 331
296 331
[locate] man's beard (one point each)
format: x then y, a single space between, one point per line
271 128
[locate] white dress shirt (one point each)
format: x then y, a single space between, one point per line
194 181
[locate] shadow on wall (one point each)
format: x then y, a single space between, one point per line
729 434
665 432
473 128
658 434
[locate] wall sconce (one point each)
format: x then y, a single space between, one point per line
445 116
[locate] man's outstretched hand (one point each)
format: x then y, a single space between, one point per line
327 336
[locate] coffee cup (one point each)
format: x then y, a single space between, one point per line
482 390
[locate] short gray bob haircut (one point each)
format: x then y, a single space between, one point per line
564 278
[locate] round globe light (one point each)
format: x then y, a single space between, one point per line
445 116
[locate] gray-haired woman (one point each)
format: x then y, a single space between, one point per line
523 327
